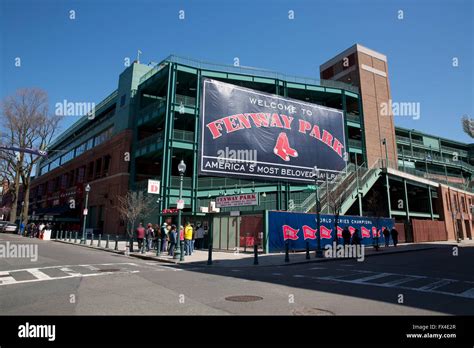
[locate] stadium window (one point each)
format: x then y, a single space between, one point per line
463 204
122 100
80 149
80 174
89 144
448 201
98 168
90 171
64 181
107 159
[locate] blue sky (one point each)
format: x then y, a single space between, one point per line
80 60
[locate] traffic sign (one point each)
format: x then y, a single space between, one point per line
154 187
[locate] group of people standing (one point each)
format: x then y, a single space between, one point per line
355 239
33 230
150 237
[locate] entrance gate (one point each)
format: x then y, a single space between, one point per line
237 233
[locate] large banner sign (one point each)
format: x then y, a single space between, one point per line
250 134
298 228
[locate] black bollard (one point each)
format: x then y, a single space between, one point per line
116 242
255 254
210 241
158 244
70 236
307 250
75 237
100 239
61 235
107 243
287 251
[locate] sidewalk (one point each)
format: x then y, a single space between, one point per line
241 259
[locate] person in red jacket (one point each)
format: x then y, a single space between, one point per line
140 235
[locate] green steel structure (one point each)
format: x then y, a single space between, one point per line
166 123
432 157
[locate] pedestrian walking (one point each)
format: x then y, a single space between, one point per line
140 236
40 230
346 236
164 237
150 235
199 237
386 236
193 240
356 237
188 237
394 234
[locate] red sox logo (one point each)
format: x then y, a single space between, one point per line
290 233
339 232
309 233
283 149
352 230
325 232
365 232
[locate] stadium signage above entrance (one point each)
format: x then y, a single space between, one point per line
247 133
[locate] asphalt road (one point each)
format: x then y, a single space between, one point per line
68 280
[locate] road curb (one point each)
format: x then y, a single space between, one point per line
204 263
119 252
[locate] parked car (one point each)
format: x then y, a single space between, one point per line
7 227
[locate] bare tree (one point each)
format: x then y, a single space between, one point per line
27 125
375 205
133 206
468 125
335 201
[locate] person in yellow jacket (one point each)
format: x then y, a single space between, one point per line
188 238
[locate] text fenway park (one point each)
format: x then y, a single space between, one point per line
289 137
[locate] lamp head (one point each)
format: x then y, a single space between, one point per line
182 167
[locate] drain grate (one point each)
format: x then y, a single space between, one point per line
110 270
243 298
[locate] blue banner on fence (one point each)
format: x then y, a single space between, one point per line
298 228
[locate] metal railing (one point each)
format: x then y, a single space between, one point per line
460 152
439 158
152 110
355 143
183 135
352 117
245 70
84 119
185 100
402 138
156 138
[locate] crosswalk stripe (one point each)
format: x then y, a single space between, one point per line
70 272
468 293
372 277
437 284
402 280
6 278
38 274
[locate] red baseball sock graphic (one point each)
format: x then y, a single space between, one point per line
282 148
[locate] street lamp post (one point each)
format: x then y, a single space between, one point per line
319 252
87 189
179 249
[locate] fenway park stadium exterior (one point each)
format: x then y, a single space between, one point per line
154 120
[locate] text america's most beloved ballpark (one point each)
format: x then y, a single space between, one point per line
248 134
